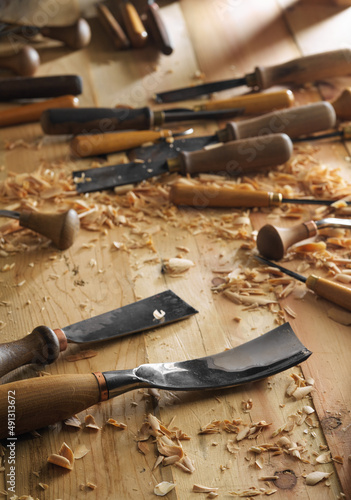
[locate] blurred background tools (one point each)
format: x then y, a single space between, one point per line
23 62
20 88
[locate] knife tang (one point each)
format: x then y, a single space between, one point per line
39 87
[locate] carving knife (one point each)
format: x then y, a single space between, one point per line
233 158
44 345
43 401
40 87
297 71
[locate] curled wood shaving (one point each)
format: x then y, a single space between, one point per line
161 489
88 353
315 477
176 266
199 488
89 421
73 422
80 451
64 458
117 425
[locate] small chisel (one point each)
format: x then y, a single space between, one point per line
134 26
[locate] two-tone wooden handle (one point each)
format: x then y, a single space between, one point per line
342 105
32 112
40 87
157 28
75 36
252 104
295 122
25 62
273 242
134 26
334 292
305 69
112 27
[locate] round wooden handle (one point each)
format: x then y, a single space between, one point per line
43 401
61 228
75 36
24 63
112 26
305 69
295 122
342 105
272 242
133 24
157 29
334 292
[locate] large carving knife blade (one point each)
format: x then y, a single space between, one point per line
44 345
45 400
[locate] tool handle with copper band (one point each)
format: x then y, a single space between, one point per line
75 36
40 87
157 29
134 27
305 69
24 62
273 242
334 292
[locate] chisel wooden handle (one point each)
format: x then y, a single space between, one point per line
32 112
305 69
43 401
334 292
157 29
76 36
295 122
342 105
135 29
237 157
253 104
40 87
25 62
97 144
112 27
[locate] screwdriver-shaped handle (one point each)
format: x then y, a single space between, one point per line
273 242
43 401
134 26
334 292
252 104
32 112
295 122
157 28
25 62
237 157
342 105
40 87
305 69
98 144
75 36
61 228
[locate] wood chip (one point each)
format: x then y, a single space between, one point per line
64 458
161 489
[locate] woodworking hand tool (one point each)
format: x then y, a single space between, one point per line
40 87
133 24
273 242
24 62
60 228
334 292
44 345
234 158
157 28
112 27
342 105
344 134
43 401
301 70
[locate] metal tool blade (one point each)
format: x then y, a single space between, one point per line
271 353
333 222
177 115
297 276
10 213
310 201
132 318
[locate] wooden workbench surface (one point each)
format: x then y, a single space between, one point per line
213 39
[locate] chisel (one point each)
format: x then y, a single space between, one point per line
24 62
334 292
157 28
297 71
344 134
112 27
40 87
273 242
134 26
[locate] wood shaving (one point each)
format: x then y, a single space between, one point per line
177 266
161 489
80 451
199 488
88 353
64 458
73 422
117 425
158 314
315 477
90 423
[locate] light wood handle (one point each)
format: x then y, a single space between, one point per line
334 292
306 69
76 36
97 144
238 157
253 104
294 122
43 401
32 112
133 24
273 242
342 105
24 63
61 228
112 27
157 29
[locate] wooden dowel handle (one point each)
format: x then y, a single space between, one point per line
40 87
76 36
157 28
306 69
135 29
342 105
334 292
24 63
112 27
43 401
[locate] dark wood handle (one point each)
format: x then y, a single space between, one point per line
40 87
135 29
76 36
43 401
342 105
334 292
112 27
157 29
25 62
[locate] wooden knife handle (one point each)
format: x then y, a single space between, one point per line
253 104
98 144
112 27
76 36
39 402
25 62
238 157
60 228
157 28
40 87
295 122
305 69
342 105
94 120
135 29
273 242
334 292
32 112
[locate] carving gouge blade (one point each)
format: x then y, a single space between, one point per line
40 87
272 241
42 401
343 134
44 345
301 70
334 292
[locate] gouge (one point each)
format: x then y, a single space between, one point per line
24 62
32 112
39 87
60 228
189 194
42 401
157 28
133 25
44 345
344 134
273 242
112 27
234 158
338 294
301 70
